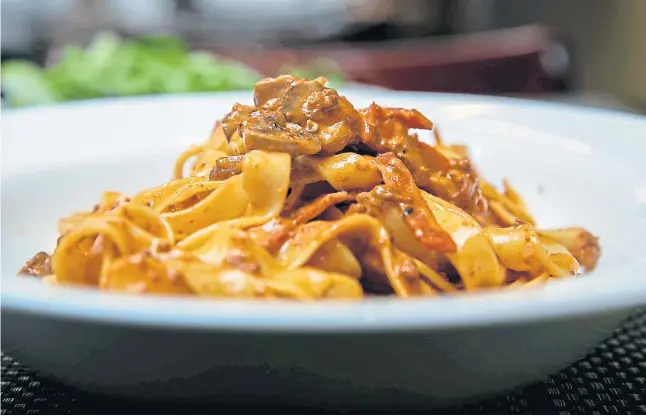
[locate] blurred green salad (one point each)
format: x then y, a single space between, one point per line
111 66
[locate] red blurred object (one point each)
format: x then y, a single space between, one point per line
501 62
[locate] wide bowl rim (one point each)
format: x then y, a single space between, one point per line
562 299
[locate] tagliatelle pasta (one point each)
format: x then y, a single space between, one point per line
301 196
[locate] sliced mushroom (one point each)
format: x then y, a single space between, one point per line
226 167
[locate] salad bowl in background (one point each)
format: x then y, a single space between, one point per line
575 166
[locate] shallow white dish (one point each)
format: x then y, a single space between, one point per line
575 166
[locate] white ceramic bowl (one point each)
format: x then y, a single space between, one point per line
575 166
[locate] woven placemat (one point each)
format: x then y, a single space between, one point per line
611 380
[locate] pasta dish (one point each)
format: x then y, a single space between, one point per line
303 196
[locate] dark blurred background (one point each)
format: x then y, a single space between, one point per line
585 51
